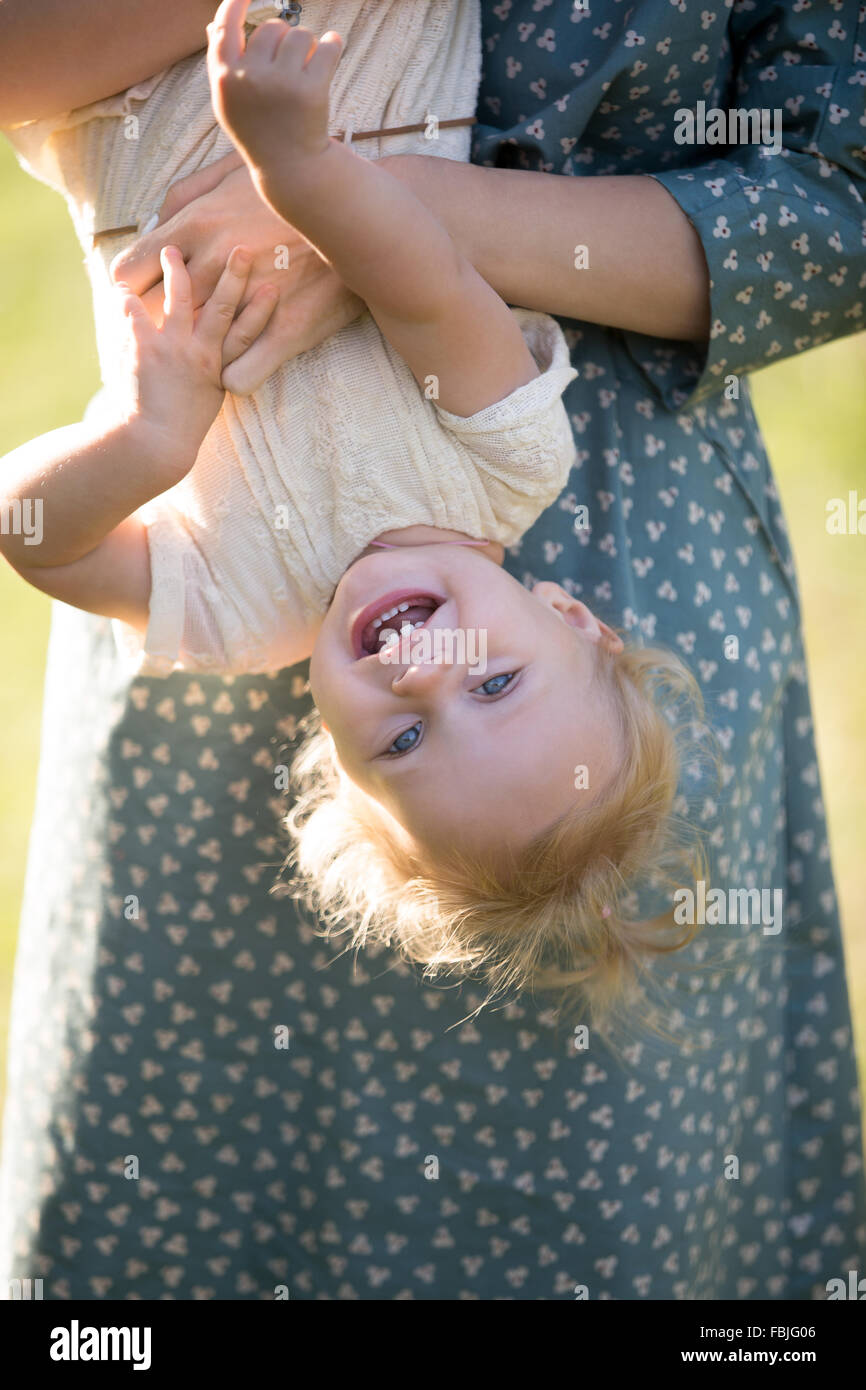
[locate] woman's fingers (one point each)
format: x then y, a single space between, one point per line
196 186
216 315
250 322
295 328
138 265
178 290
252 368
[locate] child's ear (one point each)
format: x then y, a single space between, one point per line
577 615
610 639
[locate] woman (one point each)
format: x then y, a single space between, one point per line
397 1147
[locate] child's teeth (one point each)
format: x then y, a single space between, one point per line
392 613
420 622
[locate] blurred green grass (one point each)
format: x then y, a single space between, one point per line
812 409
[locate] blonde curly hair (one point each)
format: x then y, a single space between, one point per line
555 916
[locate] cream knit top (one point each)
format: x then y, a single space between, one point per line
340 444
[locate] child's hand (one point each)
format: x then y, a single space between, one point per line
177 368
270 94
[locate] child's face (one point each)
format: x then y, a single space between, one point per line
473 732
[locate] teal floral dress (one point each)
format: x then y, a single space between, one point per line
162 1143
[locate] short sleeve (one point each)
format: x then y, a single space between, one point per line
212 610
523 444
188 616
781 220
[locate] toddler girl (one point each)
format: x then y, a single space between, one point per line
482 818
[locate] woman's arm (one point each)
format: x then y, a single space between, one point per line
56 55
519 230
614 250
673 255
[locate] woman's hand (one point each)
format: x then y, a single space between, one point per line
207 214
517 228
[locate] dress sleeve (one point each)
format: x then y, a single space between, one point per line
523 445
782 224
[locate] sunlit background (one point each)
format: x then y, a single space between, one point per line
813 412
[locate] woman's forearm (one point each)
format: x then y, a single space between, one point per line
56 55
612 250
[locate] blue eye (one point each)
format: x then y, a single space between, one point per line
496 684
408 739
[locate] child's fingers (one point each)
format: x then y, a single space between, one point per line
134 339
133 308
178 290
292 54
216 314
265 42
323 62
226 32
139 325
250 322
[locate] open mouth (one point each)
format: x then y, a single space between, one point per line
391 614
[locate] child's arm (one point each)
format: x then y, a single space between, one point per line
67 499
430 303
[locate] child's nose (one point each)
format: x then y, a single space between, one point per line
418 678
